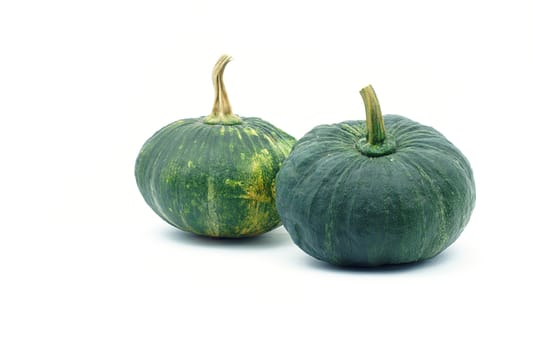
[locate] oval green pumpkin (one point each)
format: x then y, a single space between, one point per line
351 194
214 175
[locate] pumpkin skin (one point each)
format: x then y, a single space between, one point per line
214 175
347 208
214 180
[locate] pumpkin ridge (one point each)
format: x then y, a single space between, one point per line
437 242
198 136
324 179
318 190
408 171
270 134
303 149
212 219
355 178
342 178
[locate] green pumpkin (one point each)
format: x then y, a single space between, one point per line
214 175
385 191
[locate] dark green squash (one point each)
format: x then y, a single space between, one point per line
214 175
384 191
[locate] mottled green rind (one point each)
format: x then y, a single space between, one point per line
346 208
214 180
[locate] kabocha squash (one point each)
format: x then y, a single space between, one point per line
214 175
384 191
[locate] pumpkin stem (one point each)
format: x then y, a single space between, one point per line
374 119
221 113
376 143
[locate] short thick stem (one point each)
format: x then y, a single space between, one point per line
376 143
374 119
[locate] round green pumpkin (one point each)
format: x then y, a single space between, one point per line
214 175
352 194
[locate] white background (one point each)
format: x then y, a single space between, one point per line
85 264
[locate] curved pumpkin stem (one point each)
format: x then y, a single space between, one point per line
374 118
222 113
222 105
376 143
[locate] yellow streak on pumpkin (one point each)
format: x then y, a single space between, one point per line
250 131
255 221
258 193
260 167
212 217
270 140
